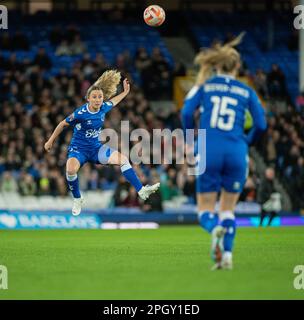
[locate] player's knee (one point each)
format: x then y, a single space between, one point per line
123 159
71 171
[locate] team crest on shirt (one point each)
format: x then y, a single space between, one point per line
102 117
78 126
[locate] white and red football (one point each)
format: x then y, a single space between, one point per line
154 15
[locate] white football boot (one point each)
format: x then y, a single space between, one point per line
226 262
145 192
78 202
217 246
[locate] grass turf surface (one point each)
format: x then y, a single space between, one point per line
168 263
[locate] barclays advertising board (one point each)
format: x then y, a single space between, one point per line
47 220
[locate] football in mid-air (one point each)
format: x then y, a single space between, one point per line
154 15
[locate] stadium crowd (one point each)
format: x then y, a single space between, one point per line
283 148
33 102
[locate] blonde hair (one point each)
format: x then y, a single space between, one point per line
107 83
224 58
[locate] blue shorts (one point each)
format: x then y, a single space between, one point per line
226 167
97 155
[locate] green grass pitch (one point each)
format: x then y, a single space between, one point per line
168 263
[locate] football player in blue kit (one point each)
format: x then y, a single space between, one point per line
222 102
85 146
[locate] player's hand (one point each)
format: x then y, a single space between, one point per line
48 146
126 86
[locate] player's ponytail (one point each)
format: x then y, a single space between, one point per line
206 67
108 83
224 58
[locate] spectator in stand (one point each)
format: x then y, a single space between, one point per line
297 184
64 49
71 32
27 185
189 188
293 40
8 183
44 183
276 82
121 192
5 41
168 186
56 36
78 46
142 60
12 64
93 183
42 59
269 197
20 41
132 200
260 82
162 74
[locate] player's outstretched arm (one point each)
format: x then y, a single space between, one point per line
126 85
48 145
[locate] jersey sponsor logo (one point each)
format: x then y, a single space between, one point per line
92 133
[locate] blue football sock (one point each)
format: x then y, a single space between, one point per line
73 184
230 226
131 176
208 220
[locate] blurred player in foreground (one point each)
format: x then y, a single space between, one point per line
222 102
85 146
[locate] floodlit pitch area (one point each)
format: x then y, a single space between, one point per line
168 263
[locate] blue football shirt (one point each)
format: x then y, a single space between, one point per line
88 125
223 102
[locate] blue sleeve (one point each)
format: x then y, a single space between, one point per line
73 118
258 116
191 103
107 106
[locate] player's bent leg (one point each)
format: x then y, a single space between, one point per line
72 167
128 172
228 202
